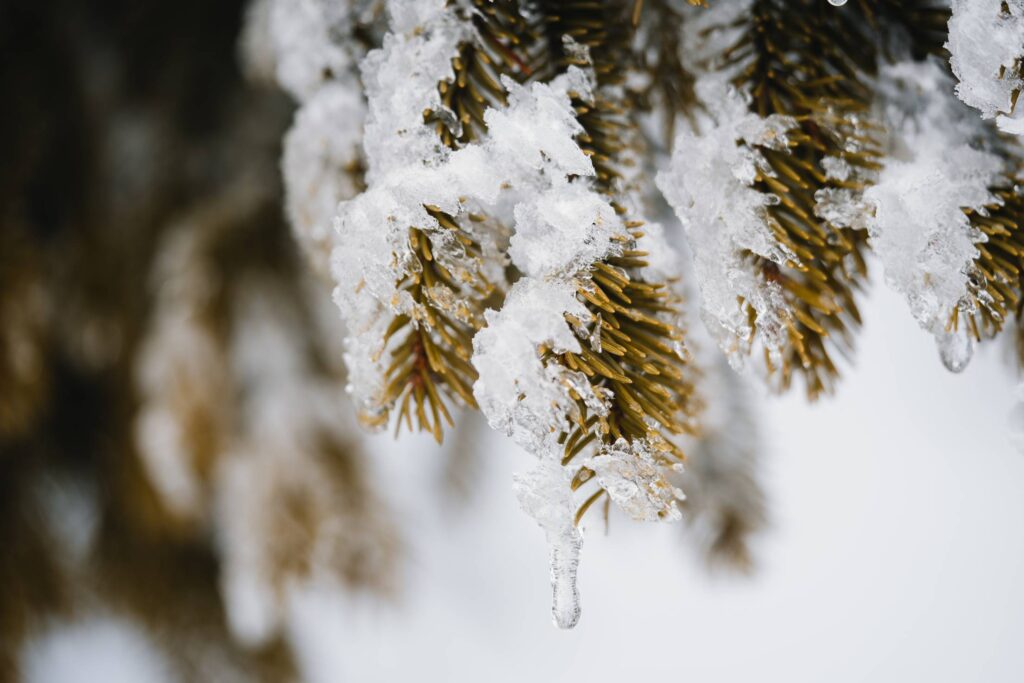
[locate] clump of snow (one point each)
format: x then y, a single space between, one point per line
400 80
518 393
372 253
307 47
550 148
709 183
563 231
936 170
920 231
986 46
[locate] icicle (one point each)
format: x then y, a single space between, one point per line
546 495
565 599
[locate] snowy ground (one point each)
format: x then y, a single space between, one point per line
895 554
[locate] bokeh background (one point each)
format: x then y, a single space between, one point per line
893 548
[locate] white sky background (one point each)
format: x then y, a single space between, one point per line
896 553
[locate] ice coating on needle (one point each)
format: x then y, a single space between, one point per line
935 171
709 183
986 46
635 481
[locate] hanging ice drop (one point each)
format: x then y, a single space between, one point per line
955 349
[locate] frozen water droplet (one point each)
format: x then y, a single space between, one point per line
955 350
837 3
565 560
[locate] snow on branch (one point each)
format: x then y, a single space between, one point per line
709 183
986 45
938 170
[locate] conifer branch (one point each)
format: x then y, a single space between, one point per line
24 340
429 367
638 360
799 65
